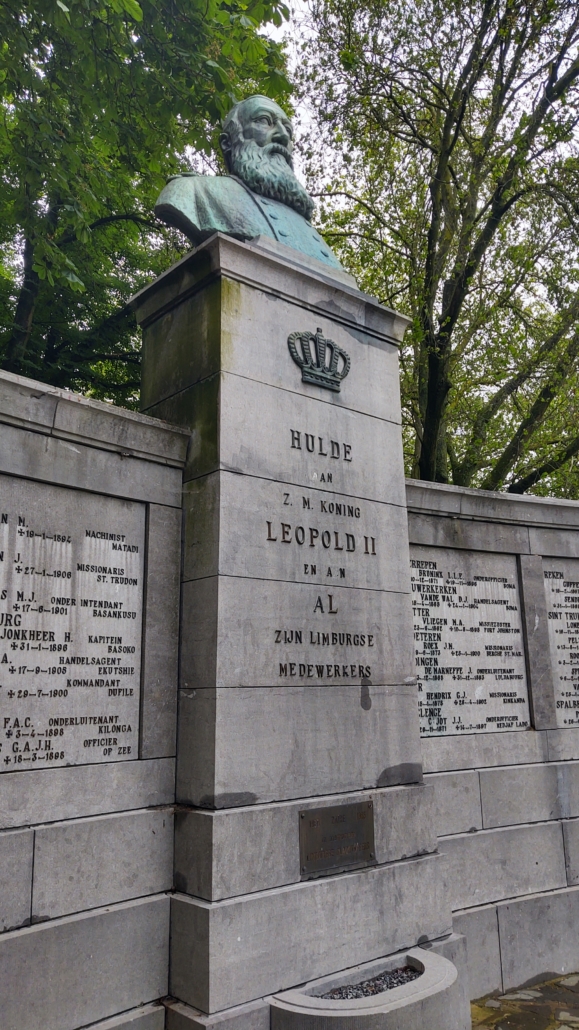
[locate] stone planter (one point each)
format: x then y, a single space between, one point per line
427 1003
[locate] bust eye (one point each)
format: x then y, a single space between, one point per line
264 119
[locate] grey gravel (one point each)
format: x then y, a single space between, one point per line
384 982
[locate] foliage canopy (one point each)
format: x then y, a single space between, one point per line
100 100
454 196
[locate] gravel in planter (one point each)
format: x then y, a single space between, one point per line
384 982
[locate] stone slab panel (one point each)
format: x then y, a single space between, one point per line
442 754
245 526
68 793
563 745
161 633
571 839
85 967
488 505
539 937
254 1016
260 430
536 629
464 534
255 633
554 542
304 742
457 802
481 930
529 793
73 464
495 864
146 1017
454 949
237 851
93 862
217 330
16 850
272 940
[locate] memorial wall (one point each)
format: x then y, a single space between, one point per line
90 512
495 593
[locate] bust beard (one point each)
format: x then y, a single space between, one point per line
268 171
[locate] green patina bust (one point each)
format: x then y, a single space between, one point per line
261 196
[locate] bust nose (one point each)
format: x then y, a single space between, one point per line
281 136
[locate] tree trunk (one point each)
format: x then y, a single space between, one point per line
24 316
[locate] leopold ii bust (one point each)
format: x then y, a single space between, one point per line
261 196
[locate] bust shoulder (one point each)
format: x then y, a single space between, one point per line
200 205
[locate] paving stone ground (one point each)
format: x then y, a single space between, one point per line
551 1005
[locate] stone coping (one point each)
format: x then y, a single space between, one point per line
438 975
274 269
70 416
487 506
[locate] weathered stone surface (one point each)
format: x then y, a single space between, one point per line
234 315
563 744
487 505
246 526
529 793
161 633
118 474
236 851
571 840
253 1016
475 751
238 950
234 633
67 793
541 683
481 930
494 864
88 863
24 402
454 949
457 802
85 967
464 534
15 878
146 1017
556 542
246 427
539 936
306 742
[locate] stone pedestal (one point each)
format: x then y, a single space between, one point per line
297 687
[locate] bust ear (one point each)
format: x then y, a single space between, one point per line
225 142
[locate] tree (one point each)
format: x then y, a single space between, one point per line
455 197
100 101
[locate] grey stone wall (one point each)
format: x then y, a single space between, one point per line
507 802
86 840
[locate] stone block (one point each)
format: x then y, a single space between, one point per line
73 464
24 402
464 534
254 1016
253 425
146 1017
234 951
85 967
557 542
161 633
453 948
529 793
457 802
538 937
481 931
239 632
563 744
571 841
245 526
477 751
534 611
237 851
88 863
228 314
494 864
305 742
15 878
70 792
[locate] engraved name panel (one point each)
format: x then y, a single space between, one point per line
468 637
71 597
336 838
562 597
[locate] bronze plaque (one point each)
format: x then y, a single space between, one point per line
336 838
